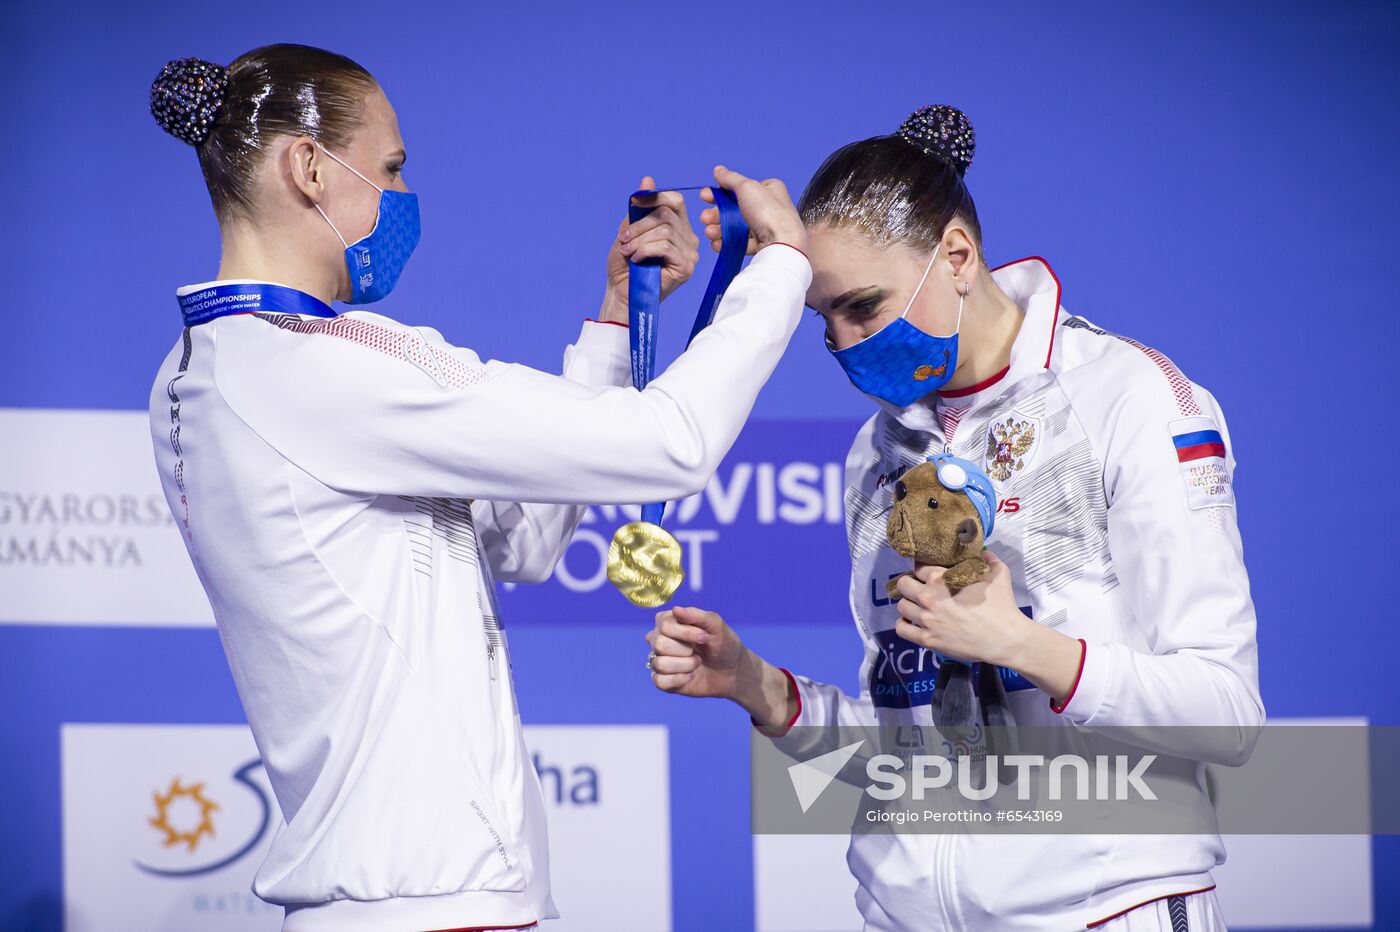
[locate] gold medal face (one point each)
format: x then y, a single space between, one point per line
644 563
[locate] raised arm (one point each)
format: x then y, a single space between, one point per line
363 406
524 540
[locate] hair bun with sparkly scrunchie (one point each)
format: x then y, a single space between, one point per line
186 96
942 131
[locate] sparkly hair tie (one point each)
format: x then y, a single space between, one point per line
942 131
186 96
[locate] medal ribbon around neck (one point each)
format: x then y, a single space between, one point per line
644 561
221 300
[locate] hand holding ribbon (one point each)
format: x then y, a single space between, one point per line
766 206
666 234
644 561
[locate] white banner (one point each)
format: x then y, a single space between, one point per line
86 536
164 827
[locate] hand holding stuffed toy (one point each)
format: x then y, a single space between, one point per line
943 513
939 524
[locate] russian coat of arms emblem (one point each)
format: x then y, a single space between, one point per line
1009 445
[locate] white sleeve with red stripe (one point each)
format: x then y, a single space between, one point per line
373 407
1179 560
824 704
820 704
524 540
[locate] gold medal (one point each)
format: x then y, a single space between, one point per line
644 563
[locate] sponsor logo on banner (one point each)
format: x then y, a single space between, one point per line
164 827
607 791
86 536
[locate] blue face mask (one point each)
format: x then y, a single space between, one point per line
900 363
376 261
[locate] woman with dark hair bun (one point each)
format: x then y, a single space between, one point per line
349 488
1116 592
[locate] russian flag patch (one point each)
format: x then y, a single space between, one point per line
1205 470
1198 444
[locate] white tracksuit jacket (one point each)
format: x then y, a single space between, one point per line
348 489
1117 521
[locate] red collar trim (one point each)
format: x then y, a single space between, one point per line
1055 317
974 389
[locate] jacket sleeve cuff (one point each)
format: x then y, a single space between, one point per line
1086 694
794 690
606 323
786 257
604 335
600 356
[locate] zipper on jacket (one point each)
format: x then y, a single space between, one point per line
947 888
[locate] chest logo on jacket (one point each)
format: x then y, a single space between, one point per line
904 674
1011 442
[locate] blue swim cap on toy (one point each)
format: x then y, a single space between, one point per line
956 474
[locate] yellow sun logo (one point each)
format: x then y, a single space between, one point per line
195 793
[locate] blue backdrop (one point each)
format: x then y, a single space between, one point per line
1216 180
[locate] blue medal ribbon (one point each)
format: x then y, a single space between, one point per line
644 292
206 304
